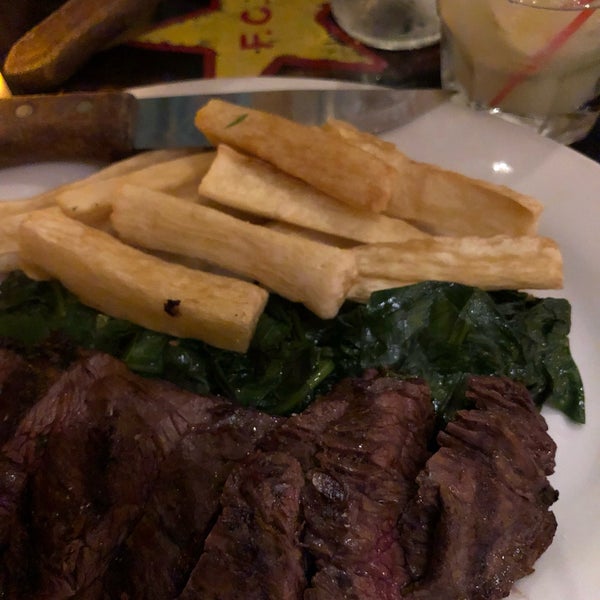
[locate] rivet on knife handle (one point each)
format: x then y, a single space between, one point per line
49 53
79 126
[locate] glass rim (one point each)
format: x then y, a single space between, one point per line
572 5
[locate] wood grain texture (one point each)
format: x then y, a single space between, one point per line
49 53
78 126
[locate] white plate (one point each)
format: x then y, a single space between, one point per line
569 185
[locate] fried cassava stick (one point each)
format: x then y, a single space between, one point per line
91 202
491 263
297 268
126 283
325 161
445 202
253 185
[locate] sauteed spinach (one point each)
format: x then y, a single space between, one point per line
439 331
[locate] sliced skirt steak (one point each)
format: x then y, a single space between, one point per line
118 487
481 517
362 476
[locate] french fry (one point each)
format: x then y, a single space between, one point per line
91 203
499 262
445 202
139 161
126 283
452 204
340 170
33 271
127 165
9 208
302 270
9 261
253 185
9 242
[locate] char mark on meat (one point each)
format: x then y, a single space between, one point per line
481 517
252 552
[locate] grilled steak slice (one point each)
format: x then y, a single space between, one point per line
359 449
62 409
116 486
90 453
362 476
252 552
481 517
155 561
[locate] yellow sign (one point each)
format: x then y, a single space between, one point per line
259 37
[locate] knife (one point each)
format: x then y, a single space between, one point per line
109 125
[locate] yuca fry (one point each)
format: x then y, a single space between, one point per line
253 185
464 207
498 262
10 259
48 198
92 203
33 271
140 161
445 202
324 161
314 274
126 283
9 208
9 232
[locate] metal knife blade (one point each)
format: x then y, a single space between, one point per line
110 125
165 122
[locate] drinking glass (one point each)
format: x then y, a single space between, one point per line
389 24
531 61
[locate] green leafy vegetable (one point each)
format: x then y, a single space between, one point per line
439 331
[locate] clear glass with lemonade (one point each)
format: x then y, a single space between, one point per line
534 61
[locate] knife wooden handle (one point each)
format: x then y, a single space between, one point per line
49 53
95 125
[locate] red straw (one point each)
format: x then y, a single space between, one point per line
540 58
